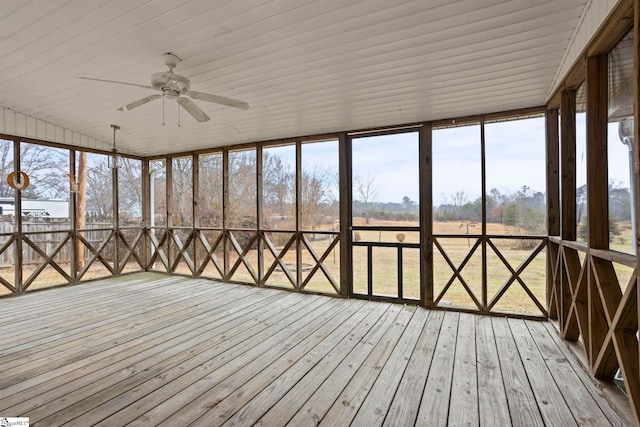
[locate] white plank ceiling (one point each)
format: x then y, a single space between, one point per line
304 66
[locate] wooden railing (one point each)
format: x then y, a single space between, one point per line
245 255
486 299
594 304
54 247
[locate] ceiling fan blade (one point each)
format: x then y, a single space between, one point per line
120 83
193 109
139 102
229 102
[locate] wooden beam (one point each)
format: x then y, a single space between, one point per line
116 219
483 186
635 391
17 199
146 212
426 214
77 209
597 165
299 247
195 212
225 211
568 161
170 209
617 25
552 148
260 211
346 274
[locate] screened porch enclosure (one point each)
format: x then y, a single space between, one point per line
496 245
284 214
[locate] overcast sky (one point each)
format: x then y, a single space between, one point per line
515 157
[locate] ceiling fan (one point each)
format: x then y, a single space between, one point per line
175 86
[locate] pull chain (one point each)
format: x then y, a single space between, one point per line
179 111
163 108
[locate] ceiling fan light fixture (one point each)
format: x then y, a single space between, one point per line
174 86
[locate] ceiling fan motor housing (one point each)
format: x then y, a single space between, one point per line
170 83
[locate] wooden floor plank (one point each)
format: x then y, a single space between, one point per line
522 403
434 408
253 354
406 402
96 394
550 401
346 406
54 314
153 349
321 401
287 406
374 408
218 403
463 404
256 396
591 384
583 406
150 394
492 399
55 356
55 384
59 334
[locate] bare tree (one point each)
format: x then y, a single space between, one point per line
366 191
317 197
278 186
210 182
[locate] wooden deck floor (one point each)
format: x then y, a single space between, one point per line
150 349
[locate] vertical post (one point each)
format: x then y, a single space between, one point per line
346 276
116 220
260 212
568 155
195 212
225 210
553 200
77 213
597 166
426 214
18 218
170 209
567 188
146 213
298 214
636 153
483 168
597 193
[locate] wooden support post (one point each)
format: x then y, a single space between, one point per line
260 212
18 222
171 253
346 275
568 190
597 192
426 214
634 393
77 209
195 212
225 211
116 220
483 168
299 214
597 165
146 213
553 201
